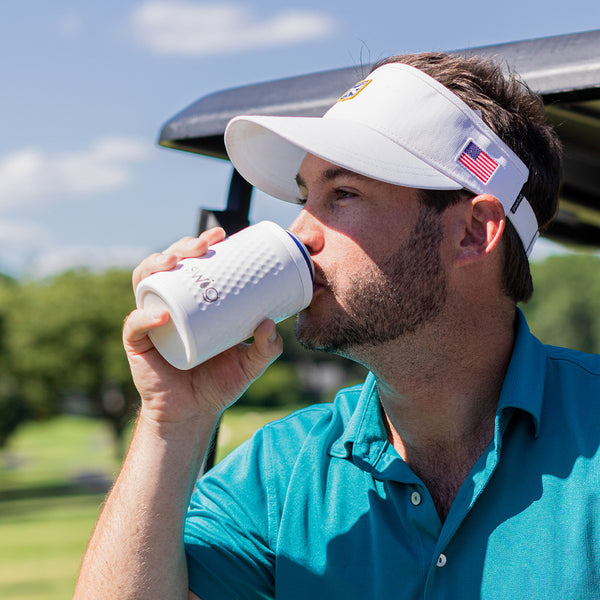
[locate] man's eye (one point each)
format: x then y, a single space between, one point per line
343 194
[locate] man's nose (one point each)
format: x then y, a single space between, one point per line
309 231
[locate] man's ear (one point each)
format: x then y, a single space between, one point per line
483 227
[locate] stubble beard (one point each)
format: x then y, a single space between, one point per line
393 300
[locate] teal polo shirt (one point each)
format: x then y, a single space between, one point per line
319 505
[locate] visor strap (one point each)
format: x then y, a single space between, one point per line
522 217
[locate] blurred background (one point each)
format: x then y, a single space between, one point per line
85 193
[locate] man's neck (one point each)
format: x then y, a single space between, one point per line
439 392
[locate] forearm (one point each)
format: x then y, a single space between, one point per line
136 550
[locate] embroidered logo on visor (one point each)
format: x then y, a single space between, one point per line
355 90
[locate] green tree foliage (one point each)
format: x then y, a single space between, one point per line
565 307
63 338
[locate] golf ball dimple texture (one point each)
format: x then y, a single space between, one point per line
238 280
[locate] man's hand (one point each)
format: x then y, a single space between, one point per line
170 395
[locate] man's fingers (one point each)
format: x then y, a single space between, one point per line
137 326
152 264
267 346
187 247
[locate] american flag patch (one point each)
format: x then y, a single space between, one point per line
478 162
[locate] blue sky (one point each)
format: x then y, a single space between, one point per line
87 86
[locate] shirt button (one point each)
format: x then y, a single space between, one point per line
415 498
442 560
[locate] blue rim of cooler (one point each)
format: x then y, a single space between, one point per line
305 255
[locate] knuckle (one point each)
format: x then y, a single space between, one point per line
145 268
188 239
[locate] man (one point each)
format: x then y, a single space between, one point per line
466 464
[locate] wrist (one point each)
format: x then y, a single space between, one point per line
180 428
172 451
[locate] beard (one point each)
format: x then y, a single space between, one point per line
392 300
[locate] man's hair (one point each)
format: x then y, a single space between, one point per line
517 116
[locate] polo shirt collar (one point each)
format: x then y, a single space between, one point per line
523 387
364 432
365 437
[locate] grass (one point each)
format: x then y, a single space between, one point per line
41 544
43 456
53 477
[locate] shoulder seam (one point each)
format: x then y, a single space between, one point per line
574 361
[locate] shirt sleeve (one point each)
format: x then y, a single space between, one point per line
228 529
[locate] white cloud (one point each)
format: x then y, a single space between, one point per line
30 249
200 29
31 176
19 242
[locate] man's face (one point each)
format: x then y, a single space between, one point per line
376 252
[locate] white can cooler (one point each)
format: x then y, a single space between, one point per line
217 300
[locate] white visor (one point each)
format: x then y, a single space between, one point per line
399 126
